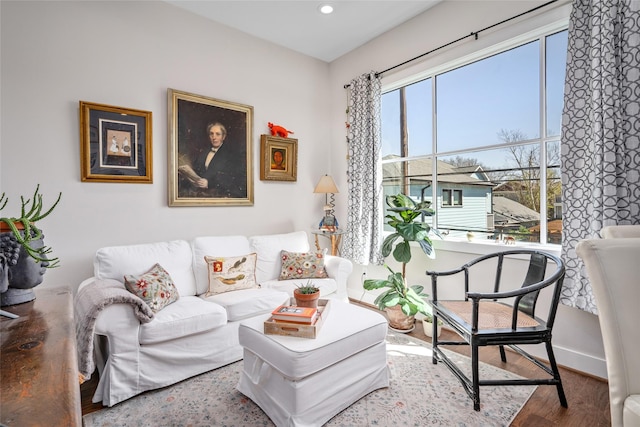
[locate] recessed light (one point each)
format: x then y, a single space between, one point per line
326 9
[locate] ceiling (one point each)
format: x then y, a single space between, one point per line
298 25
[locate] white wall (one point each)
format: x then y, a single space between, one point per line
577 339
128 54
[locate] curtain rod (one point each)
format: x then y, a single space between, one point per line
472 34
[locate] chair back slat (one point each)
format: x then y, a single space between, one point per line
536 273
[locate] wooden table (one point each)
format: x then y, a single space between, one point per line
38 363
335 238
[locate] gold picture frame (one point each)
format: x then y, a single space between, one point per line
115 144
278 158
209 158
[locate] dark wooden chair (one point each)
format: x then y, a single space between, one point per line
500 318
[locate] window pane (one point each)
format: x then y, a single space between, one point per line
556 60
419 121
390 127
475 102
501 193
554 194
417 102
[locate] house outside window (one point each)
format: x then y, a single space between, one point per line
488 129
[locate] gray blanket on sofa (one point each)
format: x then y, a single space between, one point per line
89 302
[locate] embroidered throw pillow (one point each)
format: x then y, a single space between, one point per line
155 287
303 265
231 273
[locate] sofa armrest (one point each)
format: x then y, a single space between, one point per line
339 269
103 307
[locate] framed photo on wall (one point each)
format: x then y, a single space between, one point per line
278 158
209 151
115 144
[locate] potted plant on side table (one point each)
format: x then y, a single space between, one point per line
401 301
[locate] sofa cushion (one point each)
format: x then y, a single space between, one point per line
214 246
228 274
115 262
326 286
268 249
302 265
155 287
247 303
188 316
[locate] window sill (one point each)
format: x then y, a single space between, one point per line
483 247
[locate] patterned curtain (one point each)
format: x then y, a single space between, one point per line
364 215
600 131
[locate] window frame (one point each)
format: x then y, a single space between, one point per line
555 21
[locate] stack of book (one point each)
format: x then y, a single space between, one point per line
295 314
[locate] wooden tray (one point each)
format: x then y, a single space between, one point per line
271 327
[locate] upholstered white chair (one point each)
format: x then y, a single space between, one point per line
613 268
620 231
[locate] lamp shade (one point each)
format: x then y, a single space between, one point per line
326 185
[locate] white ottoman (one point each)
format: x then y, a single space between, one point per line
305 382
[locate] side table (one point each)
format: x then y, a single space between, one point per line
334 236
38 362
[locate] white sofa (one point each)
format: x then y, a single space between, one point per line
194 334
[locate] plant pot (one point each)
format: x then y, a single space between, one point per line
428 328
398 321
306 300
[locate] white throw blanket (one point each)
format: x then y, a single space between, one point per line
89 302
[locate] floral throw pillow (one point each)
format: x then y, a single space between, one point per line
302 265
231 273
155 287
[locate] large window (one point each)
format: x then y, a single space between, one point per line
483 138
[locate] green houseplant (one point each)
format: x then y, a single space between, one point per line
401 301
307 295
23 228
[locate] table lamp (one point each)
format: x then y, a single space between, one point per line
327 186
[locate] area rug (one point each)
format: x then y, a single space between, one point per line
420 394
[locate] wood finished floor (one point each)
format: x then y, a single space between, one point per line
588 397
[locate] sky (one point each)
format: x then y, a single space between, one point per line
478 100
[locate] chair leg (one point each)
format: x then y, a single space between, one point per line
556 375
475 376
503 355
434 344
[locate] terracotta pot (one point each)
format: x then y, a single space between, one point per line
4 228
306 300
398 320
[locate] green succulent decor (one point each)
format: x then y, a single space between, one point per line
403 218
308 289
24 229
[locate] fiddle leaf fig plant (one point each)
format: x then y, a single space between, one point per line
409 298
403 218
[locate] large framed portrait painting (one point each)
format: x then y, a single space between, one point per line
209 151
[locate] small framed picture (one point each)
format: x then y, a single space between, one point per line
210 161
115 144
278 158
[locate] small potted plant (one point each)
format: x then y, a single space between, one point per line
23 228
307 295
427 325
23 251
